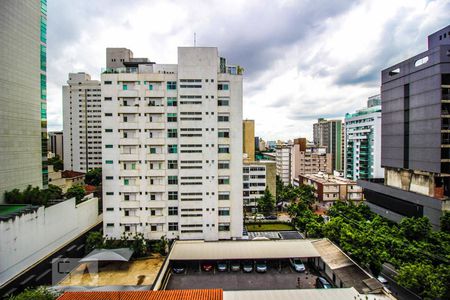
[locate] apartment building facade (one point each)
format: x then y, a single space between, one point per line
23 81
309 159
363 142
248 127
415 148
172 146
283 160
329 189
82 125
55 143
258 175
329 133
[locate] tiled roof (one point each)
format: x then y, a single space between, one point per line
213 294
71 174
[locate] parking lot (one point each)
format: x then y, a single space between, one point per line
276 277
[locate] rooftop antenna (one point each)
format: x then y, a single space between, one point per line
195 39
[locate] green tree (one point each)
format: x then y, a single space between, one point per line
445 222
93 177
266 203
424 279
53 192
415 228
94 240
76 191
40 293
56 162
279 189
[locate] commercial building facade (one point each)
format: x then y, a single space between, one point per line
55 143
363 142
309 159
415 136
329 189
329 133
283 160
23 110
82 123
172 146
258 175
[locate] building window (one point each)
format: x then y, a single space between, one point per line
127 228
109 162
173 226
224 149
223 102
222 86
224 164
108 114
172 180
172 148
172 133
171 117
224 226
173 211
153 228
108 130
107 82
224 180
108 146
172 164
109 193
110 209
152 150
223 118
223 133
173 195
171 85
224 211
172 101
109 177
109 224
224 196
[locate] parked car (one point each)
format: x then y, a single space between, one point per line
207 267
222 266
322 283
247 266
235 266
178 268
271 217
261 266
297 264
259 217
382 280
245 234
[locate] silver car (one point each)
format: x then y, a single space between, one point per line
297 264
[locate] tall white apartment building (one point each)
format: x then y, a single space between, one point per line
257 176
363 142
172 146
283 160
82 114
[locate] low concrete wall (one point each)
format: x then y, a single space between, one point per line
28 238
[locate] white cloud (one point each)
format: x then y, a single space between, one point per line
303 59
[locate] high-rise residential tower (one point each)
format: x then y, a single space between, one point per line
23 107
283 162
363 142
415 137
55 143
172 146
309 159
328 133
82 113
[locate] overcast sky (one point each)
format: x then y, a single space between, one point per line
303 59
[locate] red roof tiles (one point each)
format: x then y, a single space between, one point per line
213 294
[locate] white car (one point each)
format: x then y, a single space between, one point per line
297 264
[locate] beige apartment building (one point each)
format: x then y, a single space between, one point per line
309 159
248 129
329 189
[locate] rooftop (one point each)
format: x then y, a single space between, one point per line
213 294
328 179
71 174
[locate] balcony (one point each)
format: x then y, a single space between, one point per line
129 173
129 188
129 141
154 125
129 109
129 204
156 219
155 93
157 173
154 109
129 156
130 220
155 141
157 188
156 156
128 125
128 93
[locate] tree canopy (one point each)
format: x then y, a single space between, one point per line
93 177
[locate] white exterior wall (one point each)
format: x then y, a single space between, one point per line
283 159
254 181
360 131
81 112
29 238
197 150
